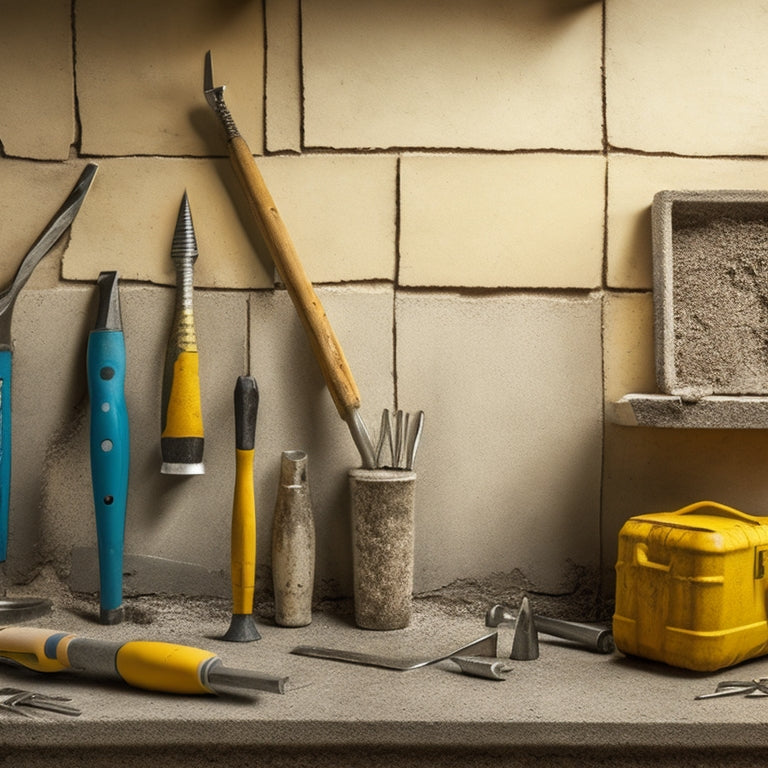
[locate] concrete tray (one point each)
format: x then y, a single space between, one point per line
710 261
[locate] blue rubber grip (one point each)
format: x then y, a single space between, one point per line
110 454
5 449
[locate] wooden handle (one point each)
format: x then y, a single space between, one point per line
325 345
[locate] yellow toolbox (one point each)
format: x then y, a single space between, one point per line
691 587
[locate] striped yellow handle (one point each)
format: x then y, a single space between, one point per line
43 650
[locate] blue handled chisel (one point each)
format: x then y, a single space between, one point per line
47 239
105 362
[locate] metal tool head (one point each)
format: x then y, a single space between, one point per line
221 679
184 245
55 228
525 643
108 316
212 93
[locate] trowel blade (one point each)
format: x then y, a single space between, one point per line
16 609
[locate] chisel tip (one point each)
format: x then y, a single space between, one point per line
184 245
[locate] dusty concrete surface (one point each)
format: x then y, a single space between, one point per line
569 707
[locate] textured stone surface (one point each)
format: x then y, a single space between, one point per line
633 180
283 89
335 208
568 706
714 412
484 220
382 515
494 374
399 74
144 101
669 90
37 87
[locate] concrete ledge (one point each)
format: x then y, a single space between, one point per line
713 412
570 706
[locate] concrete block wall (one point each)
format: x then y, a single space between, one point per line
469 187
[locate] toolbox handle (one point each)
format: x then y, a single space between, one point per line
642 559
720 510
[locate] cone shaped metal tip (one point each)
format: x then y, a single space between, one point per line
184 244
525 643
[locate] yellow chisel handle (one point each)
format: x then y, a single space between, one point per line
182 436
243 546
157 666
151 665
154 666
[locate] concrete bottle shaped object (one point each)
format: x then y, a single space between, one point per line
293 543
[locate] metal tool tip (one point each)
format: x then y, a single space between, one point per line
221 679
184 245
108 315
111 615
525 643
210 91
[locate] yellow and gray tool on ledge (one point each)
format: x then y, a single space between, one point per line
151 665
182 439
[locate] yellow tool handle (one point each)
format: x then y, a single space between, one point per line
243 541
157 666
325 345
184 413
243 546
40 649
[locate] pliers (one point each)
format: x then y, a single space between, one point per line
47 239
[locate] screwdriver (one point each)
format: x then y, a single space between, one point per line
151 665
182 438
110 457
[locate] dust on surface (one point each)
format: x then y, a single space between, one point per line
720 298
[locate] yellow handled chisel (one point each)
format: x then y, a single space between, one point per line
182 438
151 665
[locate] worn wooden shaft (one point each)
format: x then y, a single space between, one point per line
325 345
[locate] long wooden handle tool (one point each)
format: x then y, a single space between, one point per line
325 345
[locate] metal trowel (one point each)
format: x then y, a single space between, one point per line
17 609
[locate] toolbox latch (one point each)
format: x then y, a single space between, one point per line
761 561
